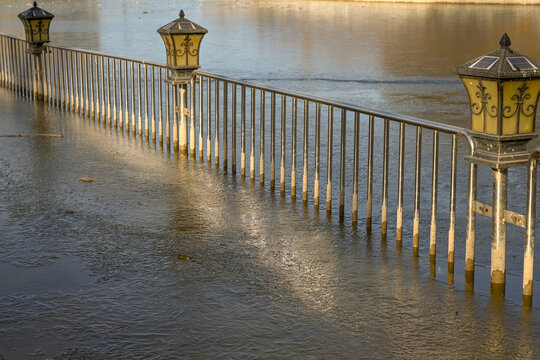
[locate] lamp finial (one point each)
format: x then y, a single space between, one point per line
182 14
505 41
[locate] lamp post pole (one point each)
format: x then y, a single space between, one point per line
38 72
498 232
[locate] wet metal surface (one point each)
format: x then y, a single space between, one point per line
160 256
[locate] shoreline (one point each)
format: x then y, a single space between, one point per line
462 2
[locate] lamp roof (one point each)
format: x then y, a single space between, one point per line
503 63
35 13
182 26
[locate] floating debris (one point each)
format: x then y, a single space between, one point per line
86 179
35 135
186 258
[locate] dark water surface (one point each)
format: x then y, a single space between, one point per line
163 257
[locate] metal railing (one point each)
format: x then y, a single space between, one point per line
224 120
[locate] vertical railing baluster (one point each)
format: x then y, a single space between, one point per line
342 164
63 74
78 67
176 116
168 116
104 95
153 87
293 147
71 71
115 93
139 100
86 86
100 89
355 167
225 125
160 108
243 133
120 97
216 130
530 222
233 131
147 104
192 115
329 155
133 119
384 207
369 202
25 87
273 141
305 153
92 88
283 143
2 61
471 229
452 212
45 74
252 138
418 174
109 95
201 144
434 180
208 120
401 165
316 184
126 95
262 135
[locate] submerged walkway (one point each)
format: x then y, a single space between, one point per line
160 256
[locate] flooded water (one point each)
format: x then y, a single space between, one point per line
162 257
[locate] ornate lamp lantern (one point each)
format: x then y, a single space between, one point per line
503 88
182 38
36 23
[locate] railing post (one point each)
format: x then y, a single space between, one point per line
38 77
530 217
498 232
471 229
184 116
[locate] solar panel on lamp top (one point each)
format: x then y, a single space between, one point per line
520 63
485 63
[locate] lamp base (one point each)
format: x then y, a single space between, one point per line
35 49
500 154
179 76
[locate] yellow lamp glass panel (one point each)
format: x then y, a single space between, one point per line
519 107
39 30
187 50
520 99
193 54
167 40
483 97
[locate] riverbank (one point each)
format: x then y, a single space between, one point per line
468 2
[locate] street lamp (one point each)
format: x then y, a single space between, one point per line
182 38
36 23
503 88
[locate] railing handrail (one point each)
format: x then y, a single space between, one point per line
432 125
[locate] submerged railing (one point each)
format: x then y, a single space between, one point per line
224 120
